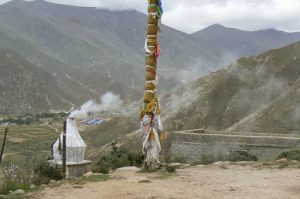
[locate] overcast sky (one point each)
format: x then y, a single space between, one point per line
192 15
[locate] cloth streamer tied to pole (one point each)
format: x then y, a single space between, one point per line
150 111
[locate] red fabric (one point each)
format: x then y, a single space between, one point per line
157 50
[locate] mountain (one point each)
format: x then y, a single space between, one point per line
100 40
89 51
231 43
27 88
111 42
254 94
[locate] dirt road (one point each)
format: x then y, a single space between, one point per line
205 182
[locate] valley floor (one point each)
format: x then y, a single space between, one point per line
214 181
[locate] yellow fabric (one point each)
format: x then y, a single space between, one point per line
150 108
151 136
152 29
161 136
151 42
150 61
148 97
151 19
149 86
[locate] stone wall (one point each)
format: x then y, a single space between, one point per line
193 145
78 170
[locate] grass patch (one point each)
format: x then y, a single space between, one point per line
26 144
171 169
290 155
283 165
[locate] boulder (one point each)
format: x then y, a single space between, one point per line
32 186
283 160
135 169
19 191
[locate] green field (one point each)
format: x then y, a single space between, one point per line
27 144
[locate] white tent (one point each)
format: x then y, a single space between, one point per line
75 146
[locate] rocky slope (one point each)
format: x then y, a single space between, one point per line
259 94
27 88
66 85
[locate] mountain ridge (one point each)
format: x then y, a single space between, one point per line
95 50
243 43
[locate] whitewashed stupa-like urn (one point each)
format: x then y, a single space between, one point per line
76 166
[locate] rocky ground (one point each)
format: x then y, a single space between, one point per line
220 180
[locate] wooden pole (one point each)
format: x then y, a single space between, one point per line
64 149
3 145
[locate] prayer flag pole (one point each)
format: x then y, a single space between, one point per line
150 112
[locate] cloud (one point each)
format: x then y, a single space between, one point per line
193 15
242 14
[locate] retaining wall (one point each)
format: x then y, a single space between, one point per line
193 145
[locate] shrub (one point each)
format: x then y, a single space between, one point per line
116 159
171 169
290 155
29 120
14 178
63 114
207 159
46 172
241 156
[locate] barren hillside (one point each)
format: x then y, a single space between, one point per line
259 93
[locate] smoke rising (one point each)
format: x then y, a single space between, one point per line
109 101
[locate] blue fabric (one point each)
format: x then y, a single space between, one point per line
159 6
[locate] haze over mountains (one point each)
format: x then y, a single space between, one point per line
88 51
255 94
234 43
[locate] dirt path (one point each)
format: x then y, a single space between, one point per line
208 182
